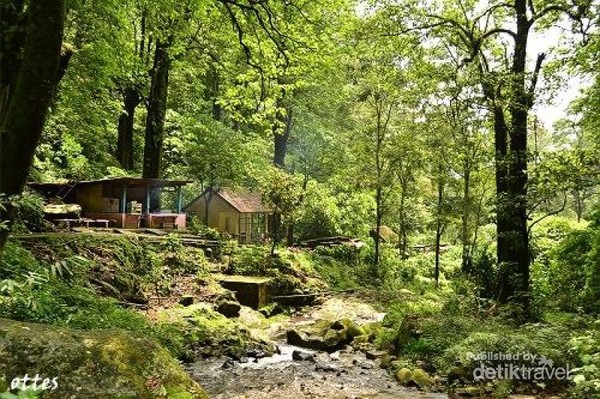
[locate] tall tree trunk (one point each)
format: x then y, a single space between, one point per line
155 121
473 245
578 204
29 74
514 264
131 99
378 222
439 228
212 92
275 230
503 207
403 233
209 193
466 253
280 139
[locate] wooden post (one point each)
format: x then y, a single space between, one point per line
123 204
147 204
267 224
239 227
179 199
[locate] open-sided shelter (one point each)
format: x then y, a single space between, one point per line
126 202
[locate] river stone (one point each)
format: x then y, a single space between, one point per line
327 336
186 300
386 361
229 308
270 310
352 329
106 364
228 364
304 340
319 336
421 378
417 378
460 374
327 367
404 376
372 355
302 356
468 392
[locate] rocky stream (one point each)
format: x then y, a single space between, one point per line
298 372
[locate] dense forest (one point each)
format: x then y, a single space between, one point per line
436 163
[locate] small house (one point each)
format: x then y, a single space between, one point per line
124 202
240 213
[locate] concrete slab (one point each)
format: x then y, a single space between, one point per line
249 291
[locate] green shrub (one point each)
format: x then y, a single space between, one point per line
29 215
483 271
568 278
340 266
196 226
586 348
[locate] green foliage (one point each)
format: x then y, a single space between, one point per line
99 364
196 226
483 271
292 271
215 154
197 331
340 266
181 259
320 214
565 274
29 212
28 394
53 286
587 376
57 294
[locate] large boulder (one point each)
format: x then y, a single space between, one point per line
416 378
325 335
229 308
198 331
107 364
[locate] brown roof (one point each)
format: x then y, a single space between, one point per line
243 200
129 181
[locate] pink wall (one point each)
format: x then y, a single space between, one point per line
130 221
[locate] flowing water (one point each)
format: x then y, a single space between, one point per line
345 374
342 375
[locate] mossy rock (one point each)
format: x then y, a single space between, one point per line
372 329
361 339
198 331
352 329
323 335
416 378
422 379
106 364
386 361
3 384
328 336
404 376
460 375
